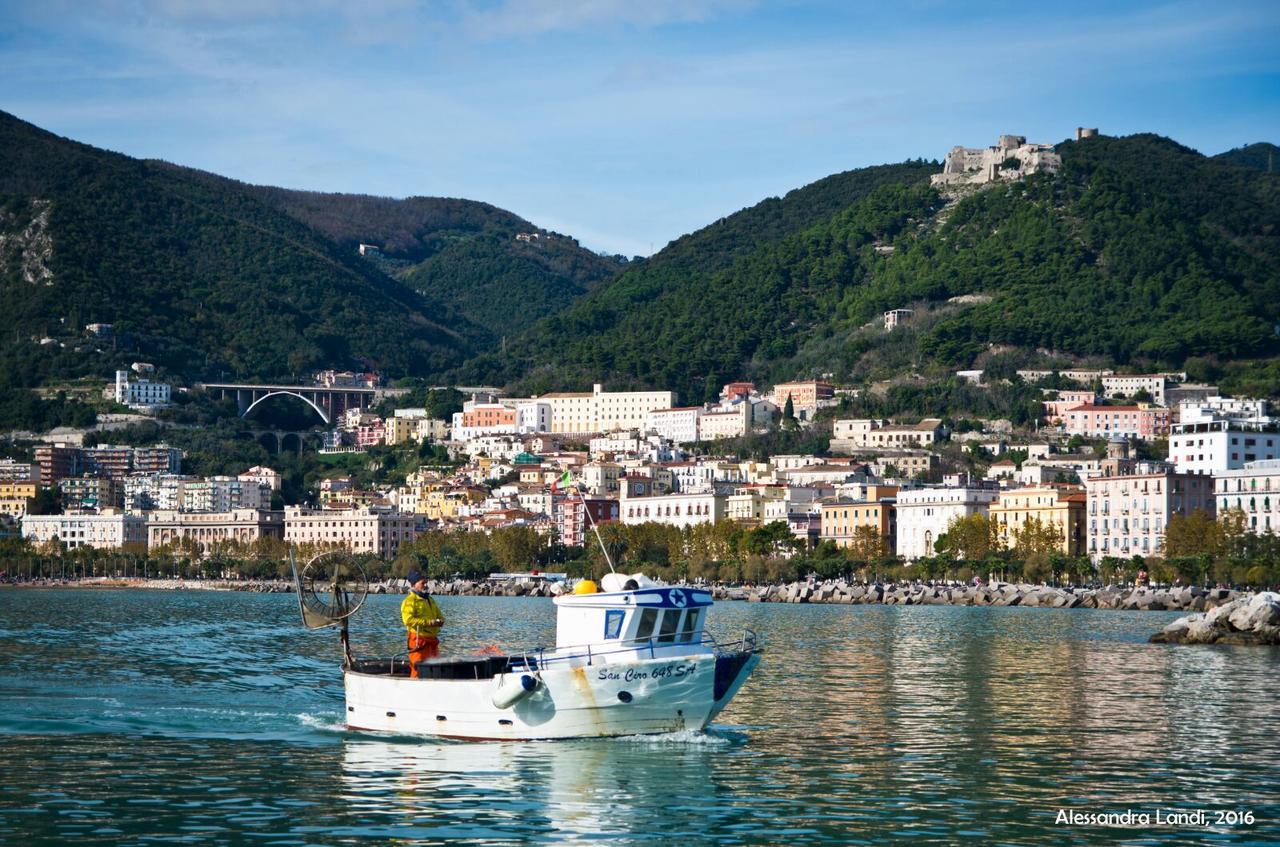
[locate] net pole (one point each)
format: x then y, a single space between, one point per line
596 529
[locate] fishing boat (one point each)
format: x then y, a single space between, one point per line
633 657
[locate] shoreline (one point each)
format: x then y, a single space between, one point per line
817 592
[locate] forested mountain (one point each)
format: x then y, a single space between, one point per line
674 316
1260 157
461 252
213 278
1139 252
198 277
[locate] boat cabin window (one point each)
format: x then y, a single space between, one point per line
670 623
648 618
690 625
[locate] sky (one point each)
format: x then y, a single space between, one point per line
625 123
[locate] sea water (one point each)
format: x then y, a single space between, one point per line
196 717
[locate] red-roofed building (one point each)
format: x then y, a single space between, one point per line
1142 421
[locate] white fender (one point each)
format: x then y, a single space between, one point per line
513 689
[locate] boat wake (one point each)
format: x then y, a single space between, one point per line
324 724
713 737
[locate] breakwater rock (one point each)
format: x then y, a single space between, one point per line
1246 620
1191 598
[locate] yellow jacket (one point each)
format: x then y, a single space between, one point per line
421 615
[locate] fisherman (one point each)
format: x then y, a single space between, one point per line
423 619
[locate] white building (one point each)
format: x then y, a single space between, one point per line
356 530
264 476
714 425
1254 490
1129 512
224 494
142 393
855 434
150 492
533 416
105 531
677 425
678 510
600 479
603 411
894 317
924 514
1208 443
1225 407
1127 385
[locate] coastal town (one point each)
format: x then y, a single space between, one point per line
1114 463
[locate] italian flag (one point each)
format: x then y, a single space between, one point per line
559 484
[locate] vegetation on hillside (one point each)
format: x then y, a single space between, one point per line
1139 253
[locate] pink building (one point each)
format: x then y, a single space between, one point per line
572 526
371 432
1129 511
1055 410
1144 422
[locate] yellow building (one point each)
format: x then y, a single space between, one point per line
441 501
1061 507
14 497
399 430
841 520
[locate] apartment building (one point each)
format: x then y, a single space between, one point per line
603 411
104 531
1144 422
355 530
14 497
679 510
1129 510
1059 507
1207 443
841 520
1253 491
680 426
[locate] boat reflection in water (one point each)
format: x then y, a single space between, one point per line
583 790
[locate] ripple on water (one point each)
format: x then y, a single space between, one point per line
213 718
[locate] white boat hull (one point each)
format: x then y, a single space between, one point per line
644 696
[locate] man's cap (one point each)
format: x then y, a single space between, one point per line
416 576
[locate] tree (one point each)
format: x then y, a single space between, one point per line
1196 534
789 414
48 501
973 538
867 544
1035 542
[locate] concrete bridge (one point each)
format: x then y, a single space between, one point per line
286 440
329 402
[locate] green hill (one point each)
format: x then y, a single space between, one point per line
199 277
1140 252
461 252
1261 157
213 278
680 316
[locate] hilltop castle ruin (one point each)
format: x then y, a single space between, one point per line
1011 158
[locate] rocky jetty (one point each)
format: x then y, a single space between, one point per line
995 594
1245 620
1192 599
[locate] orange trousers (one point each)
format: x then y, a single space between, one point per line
421 648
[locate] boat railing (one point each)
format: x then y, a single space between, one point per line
539 658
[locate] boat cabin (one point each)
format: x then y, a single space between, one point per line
646 619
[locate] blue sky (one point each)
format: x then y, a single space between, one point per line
626 124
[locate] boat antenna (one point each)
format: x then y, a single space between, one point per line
608 560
